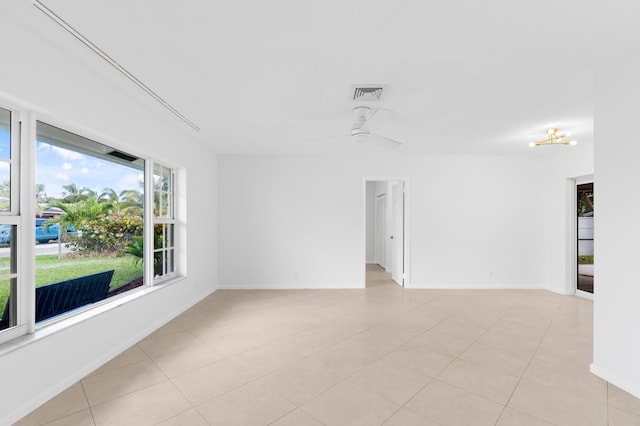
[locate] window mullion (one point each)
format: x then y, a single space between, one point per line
149 193
16 131
164 222
26 232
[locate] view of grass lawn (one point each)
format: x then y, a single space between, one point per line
585 260
50 269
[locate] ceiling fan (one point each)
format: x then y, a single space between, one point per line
362 115
359 133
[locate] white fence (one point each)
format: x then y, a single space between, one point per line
585 236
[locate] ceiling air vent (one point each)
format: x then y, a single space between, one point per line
369 92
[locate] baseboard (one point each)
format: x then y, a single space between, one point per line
476 286
584 294
288 286
352 286
621 382
558 290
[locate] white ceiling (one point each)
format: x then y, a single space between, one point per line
473 77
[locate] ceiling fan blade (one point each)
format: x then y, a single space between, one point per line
326 138
384 141
388 113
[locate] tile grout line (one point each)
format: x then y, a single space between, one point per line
529 364
86 397
467 348
403 406
168 379
607 407
562 310
277 369
345 379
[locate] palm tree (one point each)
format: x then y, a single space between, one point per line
108 195
5 188
5 193
74 214
72 193
87 191
70 189
135 248
131 201
41 195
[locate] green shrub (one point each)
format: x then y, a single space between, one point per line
107 234
135 248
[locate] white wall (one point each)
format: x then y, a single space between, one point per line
474 220
617 277
74 96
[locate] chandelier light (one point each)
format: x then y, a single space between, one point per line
553 138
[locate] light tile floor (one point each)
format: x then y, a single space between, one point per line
380 356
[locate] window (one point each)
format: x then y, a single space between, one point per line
8 225
87 239
89 221
163 222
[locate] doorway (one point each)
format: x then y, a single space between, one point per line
386 228
585 242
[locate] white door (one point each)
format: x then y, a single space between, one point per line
380 220
397 234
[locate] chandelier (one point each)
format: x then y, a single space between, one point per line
553 138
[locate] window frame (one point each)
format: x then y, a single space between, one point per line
22 211
15 126
13 217
166 221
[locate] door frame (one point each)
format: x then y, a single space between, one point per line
379 218
397 209
572 235
407 226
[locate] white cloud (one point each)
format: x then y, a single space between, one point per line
62 176
66 154
66 166
129 181
4 166
45 147
85 170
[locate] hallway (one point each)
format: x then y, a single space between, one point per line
378 278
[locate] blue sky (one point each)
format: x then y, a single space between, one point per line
4 144
56 167
4 153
